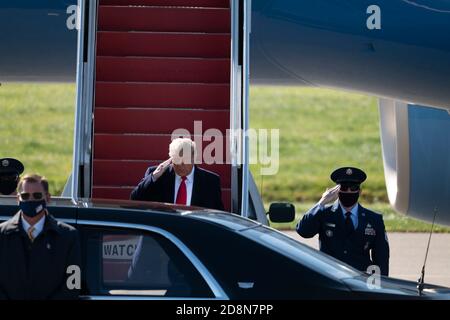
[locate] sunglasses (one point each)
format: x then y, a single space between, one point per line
36 196
353 187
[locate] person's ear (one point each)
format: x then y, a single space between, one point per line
48 197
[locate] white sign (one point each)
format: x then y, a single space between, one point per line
122 249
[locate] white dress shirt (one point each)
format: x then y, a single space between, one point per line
353 216
189 186
38 226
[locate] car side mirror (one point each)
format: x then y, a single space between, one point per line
281 212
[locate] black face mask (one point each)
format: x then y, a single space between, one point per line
32 208
348 199
8 187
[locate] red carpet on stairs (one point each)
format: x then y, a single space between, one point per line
161 65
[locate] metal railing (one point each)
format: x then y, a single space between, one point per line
239 113
82 151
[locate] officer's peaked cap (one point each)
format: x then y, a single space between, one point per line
348 175
11 166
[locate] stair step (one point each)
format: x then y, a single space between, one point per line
163 19
162 95
175 3
130 173
158 121
143 146
131 147
160 44
142 69
102 192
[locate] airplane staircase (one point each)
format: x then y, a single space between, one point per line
160 65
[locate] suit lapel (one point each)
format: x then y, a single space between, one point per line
21 238
170 187
361 220
196 187
338 217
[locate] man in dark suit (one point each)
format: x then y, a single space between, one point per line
39 256
348 231
10 171
178 180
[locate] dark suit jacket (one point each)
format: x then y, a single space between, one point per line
35 271
206 190
367 245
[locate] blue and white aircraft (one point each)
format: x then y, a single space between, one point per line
398 50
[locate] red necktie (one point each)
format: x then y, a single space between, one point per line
182 192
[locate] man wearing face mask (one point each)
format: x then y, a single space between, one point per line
10 170
347 230
178 180
36 250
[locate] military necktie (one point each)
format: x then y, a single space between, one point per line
349 228
30 233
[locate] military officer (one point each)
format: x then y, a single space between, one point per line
10 171
347 230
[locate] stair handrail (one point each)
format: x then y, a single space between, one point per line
82 145
245 109
239 111
235 111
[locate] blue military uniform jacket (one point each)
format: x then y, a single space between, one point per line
367 245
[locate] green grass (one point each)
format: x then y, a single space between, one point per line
36 127
320 130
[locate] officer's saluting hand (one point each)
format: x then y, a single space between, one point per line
330 195
347 231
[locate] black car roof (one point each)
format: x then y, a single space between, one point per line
112 204
225 219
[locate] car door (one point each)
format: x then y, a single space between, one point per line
123 260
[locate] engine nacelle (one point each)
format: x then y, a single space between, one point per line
416 154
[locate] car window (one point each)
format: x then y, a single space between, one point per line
125 262
231 221
300 252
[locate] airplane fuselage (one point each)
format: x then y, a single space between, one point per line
398 49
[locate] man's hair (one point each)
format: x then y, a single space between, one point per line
179 146
33 178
